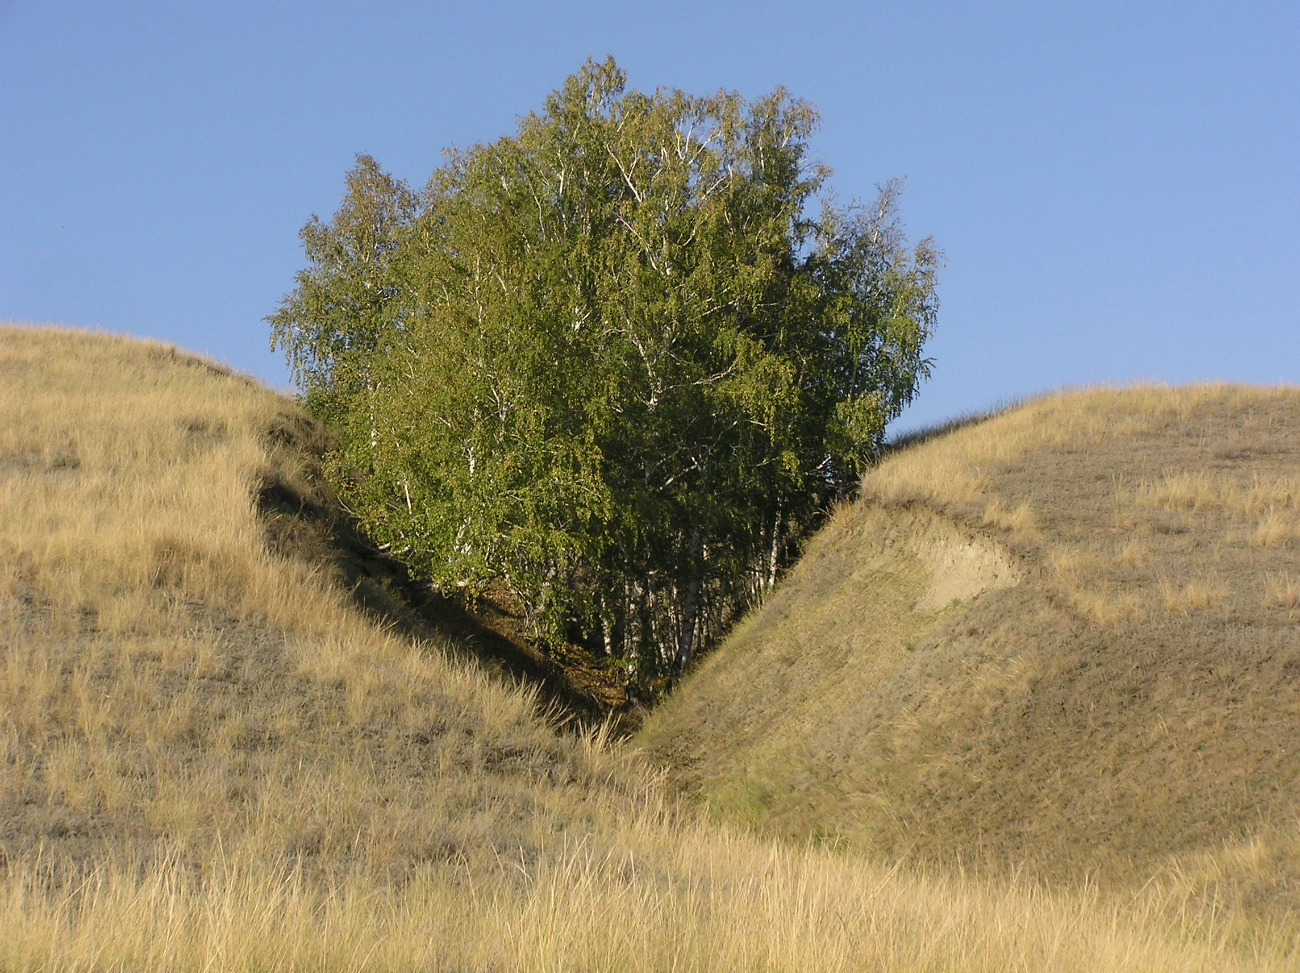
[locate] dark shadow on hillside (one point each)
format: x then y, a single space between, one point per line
303 519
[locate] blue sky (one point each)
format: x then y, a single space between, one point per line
1117 185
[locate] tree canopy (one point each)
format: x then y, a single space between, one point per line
616 362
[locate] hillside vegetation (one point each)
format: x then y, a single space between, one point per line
225 744
1062 640
614 364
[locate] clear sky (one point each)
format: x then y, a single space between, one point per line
1117 185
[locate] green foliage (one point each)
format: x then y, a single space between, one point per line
610 362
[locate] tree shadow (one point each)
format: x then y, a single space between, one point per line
303 519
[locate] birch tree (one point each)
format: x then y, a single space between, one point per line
616 362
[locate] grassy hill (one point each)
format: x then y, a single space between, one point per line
1062 640
233 738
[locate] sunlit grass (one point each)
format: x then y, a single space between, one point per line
212 759
1116 702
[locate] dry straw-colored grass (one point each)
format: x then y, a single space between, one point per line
1283 591
211 758
692 898
1125 707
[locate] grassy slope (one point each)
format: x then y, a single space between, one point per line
170 679
1119 698
212 758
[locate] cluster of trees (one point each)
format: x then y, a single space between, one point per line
616 362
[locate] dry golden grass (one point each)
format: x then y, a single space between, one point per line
1283 591
1275 530
1196 594
211 758
690 898
1021 520
1125 707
